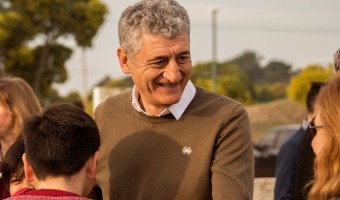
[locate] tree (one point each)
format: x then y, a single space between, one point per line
276 71
46 22
249 62
300 83
231 81
270 91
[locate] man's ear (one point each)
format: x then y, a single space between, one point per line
92 165
29 174
123 60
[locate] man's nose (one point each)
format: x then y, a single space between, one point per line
172 72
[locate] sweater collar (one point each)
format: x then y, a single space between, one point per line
177 109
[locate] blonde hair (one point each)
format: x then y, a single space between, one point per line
326 184
18 98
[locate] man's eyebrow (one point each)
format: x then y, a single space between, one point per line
184 52
157 58
161 57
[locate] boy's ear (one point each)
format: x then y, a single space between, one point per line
29 174
123 60
92 166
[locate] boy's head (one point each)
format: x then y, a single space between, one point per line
60 141
12 168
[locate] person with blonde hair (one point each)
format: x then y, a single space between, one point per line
326 143
17 101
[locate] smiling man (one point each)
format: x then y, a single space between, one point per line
167 138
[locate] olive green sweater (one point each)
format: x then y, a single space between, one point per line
206 154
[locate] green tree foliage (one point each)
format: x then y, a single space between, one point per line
73 96
249 62
124 83
266 92
276 71
24 60
300 83
236 86
231 81
44 23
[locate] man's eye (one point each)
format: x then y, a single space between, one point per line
159 63
182 59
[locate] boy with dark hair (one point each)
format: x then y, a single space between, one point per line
61 146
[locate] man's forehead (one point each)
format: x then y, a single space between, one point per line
161 45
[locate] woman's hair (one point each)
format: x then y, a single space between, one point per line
326 183
12 165
18 98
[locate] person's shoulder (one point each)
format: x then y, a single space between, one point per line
295 139
32 197
291 146
113 99
215 104
122 95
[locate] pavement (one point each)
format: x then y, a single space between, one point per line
264 188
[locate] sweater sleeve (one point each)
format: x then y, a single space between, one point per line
233 161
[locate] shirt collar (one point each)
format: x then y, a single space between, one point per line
305 124
177 109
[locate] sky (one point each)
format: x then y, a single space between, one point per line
298 33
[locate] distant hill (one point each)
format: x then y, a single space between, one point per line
279 112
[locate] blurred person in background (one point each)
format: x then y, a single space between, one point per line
288 155
17 101
326 143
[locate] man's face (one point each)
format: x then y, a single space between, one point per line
161 70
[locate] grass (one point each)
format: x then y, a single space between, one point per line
279 112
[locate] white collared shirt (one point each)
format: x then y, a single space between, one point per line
305 124
176 109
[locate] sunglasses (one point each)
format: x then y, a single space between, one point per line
312 127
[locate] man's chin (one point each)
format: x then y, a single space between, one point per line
168 101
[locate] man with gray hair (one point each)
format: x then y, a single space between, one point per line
337 60
167 138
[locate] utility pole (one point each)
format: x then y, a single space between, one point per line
2 65
214 11
84 71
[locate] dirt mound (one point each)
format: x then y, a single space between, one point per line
280 112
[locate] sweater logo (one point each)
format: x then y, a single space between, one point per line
186 151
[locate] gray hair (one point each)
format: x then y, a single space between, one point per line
337 60
164 18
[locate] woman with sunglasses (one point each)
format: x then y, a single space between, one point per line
326 143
